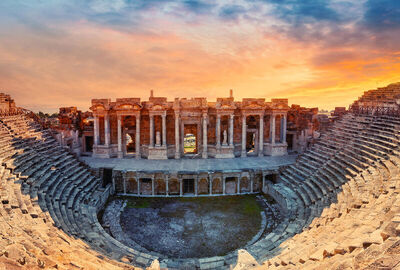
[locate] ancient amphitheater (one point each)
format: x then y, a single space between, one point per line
339 201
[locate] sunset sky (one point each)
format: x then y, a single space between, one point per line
317 53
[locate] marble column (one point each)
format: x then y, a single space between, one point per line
120 155
218 131
238 185
261 137
284 128
272 129
96 130
107 129
223 184
166 185
164 130
181 187
210 184
251 183
177 148
113 184
138 185
137 142
151 131
231 130
152 186
263 182
124 184
244 127
196 180
204 154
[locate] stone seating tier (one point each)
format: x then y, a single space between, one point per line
340 199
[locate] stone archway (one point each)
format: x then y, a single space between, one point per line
160 187
131 185
203 186
217 186
244 184
173 186
190 139
230 185
145 186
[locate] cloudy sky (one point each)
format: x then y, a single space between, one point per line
321 53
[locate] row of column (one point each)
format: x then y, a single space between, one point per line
164 130
196 180
272 129
120 153
218 130
106 130
283 127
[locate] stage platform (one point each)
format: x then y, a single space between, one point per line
192 165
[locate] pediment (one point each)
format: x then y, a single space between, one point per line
254 106
227 107
157 108
128 106
98 107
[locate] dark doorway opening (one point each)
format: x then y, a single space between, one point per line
289 140
273 178
107 177
89 143
188 185
250 142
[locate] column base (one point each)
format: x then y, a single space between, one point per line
275 149
158 152
102 151
261 153
177 155
120 154
204 155
243 154
225 152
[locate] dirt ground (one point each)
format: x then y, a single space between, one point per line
192 227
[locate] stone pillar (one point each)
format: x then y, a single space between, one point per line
272 129
120 155
177 147
205 154
223 185
138 185
151 131
96 130
196 180
231 130
251 183
244 127
152 186
137 143
181 187
124 184
284 128
238 185
113 183
210 184
164 130
263 182
218 131
166 185
107 129
261 137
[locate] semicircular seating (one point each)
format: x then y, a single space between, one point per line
340 203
